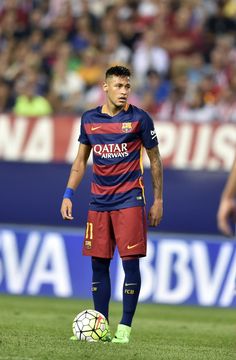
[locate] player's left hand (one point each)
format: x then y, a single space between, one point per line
156 213
226 212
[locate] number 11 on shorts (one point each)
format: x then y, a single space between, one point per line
89 231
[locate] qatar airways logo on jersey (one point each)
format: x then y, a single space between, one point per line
111 151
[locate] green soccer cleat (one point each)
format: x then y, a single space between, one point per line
107 337
122 334
73 338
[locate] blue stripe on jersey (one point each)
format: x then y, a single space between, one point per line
116 179
118 201
134 155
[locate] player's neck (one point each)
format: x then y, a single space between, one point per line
113 110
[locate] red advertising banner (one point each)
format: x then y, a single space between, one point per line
183 145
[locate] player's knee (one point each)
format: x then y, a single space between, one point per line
100 265
131 266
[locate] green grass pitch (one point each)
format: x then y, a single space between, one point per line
38 328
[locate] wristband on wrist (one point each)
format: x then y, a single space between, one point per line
68 194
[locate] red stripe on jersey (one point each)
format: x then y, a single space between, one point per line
119 188
116 169
134 145
112 128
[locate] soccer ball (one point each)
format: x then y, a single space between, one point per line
90 325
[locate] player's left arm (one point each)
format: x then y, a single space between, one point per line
156 210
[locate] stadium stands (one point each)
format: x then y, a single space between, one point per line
63 47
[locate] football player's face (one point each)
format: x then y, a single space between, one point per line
117 89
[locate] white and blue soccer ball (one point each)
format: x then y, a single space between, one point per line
90 325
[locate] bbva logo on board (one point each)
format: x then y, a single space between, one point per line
40 261
179 270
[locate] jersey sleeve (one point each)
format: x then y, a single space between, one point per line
83 138
148 132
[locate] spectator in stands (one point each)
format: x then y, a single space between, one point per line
182 38
66 83
129 33
201 11
14 17
210 89
219 67
149 55
147 12
226 106
196 110
29 103
195 69
171 109
218 23
82 37
226 46
91 69
6 97
114 52
154 92
109 21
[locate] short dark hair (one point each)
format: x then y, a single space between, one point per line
118 71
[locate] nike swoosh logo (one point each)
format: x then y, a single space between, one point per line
95 128
129 284
95 282
132 246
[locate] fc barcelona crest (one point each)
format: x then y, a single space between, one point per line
127 127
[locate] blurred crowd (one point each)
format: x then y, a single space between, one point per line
182 53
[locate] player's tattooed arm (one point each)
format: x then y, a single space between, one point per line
156 211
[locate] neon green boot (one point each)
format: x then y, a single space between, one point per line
107 337
122 334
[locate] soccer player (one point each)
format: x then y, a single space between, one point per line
227 207
116 133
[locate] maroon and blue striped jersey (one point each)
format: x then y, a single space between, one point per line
117 143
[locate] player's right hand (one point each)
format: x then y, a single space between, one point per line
66 209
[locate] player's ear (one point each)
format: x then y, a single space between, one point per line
105 86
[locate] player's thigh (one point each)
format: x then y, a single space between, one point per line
130 229
99 239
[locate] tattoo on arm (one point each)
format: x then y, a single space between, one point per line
156 171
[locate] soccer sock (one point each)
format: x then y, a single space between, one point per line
131 289
101 285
